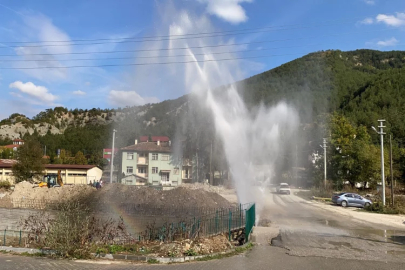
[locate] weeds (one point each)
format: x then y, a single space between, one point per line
5 185
153 261
233 253
378 207
190 252
73 231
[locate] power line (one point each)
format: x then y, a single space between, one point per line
204 34
151 57
126 41
207 46
155 63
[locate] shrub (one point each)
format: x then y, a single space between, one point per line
190 252
378 207
74 231
5 184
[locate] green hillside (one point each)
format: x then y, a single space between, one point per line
321 82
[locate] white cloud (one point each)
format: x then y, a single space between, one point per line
41 28
39 92
392 20
369 2
367 21
388 42
129 98
228 10
79 93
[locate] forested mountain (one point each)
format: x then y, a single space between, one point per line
363 85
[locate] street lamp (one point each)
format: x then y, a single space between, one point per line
112 156
381 133
324 158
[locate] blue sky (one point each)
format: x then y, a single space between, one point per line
278 32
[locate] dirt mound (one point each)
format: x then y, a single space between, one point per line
5 201
178 197
122 194
27 191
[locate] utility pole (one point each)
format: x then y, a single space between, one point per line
211 181
381 133
324 146
112 156
391 172
296 164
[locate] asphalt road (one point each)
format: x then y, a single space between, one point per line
306 230
310 238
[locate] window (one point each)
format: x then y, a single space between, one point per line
155 170
176 171
154 156
130 156
186 173
77 174
165 157
143 155
165 177
130 169
142 170
349 195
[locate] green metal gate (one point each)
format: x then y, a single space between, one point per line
250 220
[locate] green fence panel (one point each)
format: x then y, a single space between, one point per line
250 220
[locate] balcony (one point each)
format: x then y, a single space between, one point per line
143 161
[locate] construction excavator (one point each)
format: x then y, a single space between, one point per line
52 180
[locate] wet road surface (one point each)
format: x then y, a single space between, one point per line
306 230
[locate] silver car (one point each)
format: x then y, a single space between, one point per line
350 199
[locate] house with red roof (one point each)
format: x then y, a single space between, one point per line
152 162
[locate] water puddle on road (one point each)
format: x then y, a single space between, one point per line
364 232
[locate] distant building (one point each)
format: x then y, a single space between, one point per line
71 174
16 143
151 162
107 153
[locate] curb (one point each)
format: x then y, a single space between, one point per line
162 259
125 256
26 250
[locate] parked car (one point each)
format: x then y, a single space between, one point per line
283 188
350 199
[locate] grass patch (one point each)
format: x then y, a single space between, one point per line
37 254
153 261
379 208
237 251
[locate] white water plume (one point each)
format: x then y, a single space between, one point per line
254 140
